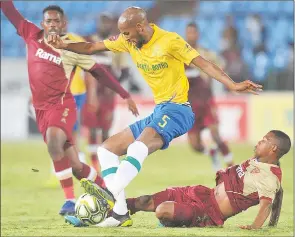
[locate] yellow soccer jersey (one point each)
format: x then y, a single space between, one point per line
160 62
78 86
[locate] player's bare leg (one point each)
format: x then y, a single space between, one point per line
56 139
222 146
194 138
142 203
118 175
66 161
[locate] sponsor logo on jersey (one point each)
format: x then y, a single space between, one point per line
154 67
240 171
48 56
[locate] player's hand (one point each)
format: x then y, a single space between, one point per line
56 41
248 227
132 106
92 107
247 87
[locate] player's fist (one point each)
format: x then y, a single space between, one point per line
56 41
247 87
132 106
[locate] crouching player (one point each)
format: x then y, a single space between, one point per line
255 181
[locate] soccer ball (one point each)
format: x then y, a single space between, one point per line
91 210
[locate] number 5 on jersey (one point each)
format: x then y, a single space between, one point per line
165 119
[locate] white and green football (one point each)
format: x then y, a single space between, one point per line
91 210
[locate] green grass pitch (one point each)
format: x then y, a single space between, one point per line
28 208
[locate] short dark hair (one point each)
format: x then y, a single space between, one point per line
284 142
194 25
54 8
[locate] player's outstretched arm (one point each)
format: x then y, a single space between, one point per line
80 48
264 211
100 73
11 13
215 72
276 208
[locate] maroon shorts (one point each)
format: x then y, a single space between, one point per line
199 198
102 119
62 116
205 115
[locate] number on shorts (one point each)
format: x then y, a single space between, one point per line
164 118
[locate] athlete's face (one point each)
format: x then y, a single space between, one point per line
192 35
53 23
267 146
133 34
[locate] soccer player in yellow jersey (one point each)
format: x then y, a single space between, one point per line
160 57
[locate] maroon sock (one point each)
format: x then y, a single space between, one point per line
85 172
63 172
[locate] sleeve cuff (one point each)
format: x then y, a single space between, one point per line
266 198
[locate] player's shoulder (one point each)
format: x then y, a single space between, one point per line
268 173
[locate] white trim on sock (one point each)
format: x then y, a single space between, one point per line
92 148
82 157
92 175
228 158
64 174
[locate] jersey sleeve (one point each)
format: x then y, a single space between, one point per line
85 62
25 28
116 44
267 187
181 50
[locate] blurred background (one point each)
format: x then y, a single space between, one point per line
255 39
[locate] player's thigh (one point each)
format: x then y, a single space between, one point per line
152 139
119 142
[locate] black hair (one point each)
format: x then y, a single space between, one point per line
54 8
284 142
194 25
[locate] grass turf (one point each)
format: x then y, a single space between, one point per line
29 208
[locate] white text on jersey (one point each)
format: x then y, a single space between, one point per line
240 171
48 56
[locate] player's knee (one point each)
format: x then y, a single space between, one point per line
145 203
165 211
197 147
55 149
